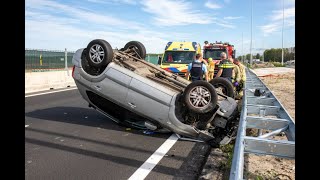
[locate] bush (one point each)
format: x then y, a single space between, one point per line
278 64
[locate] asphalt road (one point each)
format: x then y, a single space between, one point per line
65 139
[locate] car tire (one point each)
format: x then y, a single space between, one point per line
196 92
138 47
224 83
99 53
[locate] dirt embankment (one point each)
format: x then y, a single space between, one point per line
283 87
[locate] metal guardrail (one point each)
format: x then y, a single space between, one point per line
261 112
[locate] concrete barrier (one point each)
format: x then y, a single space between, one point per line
39 81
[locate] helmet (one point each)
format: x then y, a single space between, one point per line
210 59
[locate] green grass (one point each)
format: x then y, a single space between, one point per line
278 64
228 150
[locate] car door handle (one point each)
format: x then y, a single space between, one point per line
98 88
132 105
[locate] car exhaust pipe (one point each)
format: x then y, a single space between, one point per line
150 126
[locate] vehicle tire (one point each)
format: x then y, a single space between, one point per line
99 53
225 84
200 97
138 47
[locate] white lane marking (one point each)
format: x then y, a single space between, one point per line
26 125
154 159
50 92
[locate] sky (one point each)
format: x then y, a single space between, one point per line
72 24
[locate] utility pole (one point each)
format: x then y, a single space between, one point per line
282 29
242 49
263 49
251 35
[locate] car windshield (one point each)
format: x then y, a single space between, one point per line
213 53
178 57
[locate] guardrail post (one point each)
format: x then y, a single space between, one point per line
66 61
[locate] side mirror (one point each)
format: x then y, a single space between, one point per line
159 60
234 54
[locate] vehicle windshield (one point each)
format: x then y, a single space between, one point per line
213 53
178 57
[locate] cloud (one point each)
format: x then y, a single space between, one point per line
131 2
232 17
85 15
224 24
59 35
53 25
212 5
288 13
287 3
276 19
170 13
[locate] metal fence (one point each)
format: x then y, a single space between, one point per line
153 58
46 60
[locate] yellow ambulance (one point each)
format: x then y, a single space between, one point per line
178 55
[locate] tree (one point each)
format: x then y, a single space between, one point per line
258 56
248 57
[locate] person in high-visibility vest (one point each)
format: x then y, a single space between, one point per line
211 66
242 73
225 67
40 59
235 74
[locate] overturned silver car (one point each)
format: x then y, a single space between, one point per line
129 90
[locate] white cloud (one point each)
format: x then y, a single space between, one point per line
288 13
275 25
287 3
131 2
270 28
46 28
169 12
232 17
85 15
58 35
224 24
212 5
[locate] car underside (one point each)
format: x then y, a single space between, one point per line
205 111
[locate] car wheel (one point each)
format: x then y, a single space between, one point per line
223 86
99 53
137 47
200 97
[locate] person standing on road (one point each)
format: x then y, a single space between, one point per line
196 69
211 66
225 67
235 73
242 73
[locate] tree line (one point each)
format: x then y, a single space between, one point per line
273 55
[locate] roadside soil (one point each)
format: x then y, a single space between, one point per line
281 81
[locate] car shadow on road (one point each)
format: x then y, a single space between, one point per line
90 140
86 117
120 160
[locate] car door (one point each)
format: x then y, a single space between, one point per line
149 99
114 85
